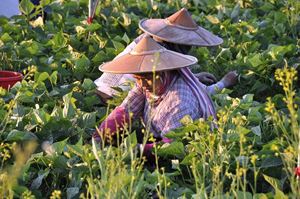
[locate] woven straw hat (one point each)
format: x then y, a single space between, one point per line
180 28
147 56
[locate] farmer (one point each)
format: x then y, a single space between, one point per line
165 91
179 33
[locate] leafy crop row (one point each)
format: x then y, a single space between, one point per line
47 119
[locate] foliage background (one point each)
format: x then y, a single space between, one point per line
49 116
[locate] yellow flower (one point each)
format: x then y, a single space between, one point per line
253 159
56 194
27 195
274 147
270 106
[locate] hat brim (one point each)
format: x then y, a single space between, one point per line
170 33
134 64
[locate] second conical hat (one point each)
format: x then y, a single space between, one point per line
180 28
147 56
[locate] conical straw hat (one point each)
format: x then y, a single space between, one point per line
180 28
148 56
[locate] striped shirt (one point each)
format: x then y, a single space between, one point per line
177 102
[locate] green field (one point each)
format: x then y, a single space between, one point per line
46 121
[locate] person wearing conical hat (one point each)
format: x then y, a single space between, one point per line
164 93
179 33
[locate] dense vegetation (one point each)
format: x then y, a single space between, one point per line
47 119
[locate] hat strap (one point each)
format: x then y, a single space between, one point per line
179 26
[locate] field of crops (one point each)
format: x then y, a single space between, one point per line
46 121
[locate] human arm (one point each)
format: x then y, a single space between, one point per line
131 108
229 80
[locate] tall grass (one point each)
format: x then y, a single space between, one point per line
287 125
9 175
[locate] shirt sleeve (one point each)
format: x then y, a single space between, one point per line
212 89
131 108
116 120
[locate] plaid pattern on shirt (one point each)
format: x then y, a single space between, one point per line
177 102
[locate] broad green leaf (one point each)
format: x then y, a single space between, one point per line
256 130
188 158
44 2
75 149
26 7
126 38
26 96
60 162
69 106
118 46
260 196
254 115
59 41
82 64
248 98
88 84
233 137
93 27
255 60
242 130
99 57
267 7
277 186
34 48
236 11
280 17
171 149
271 162
41 116
60 146
181 131
259 87
42 77
89 119
16 136
72 192
6 38
130 140
37 182
19 189
244 195
277 52
53 78
280 195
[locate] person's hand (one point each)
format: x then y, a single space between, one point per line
230 79
206 78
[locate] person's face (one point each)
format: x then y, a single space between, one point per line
147 81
